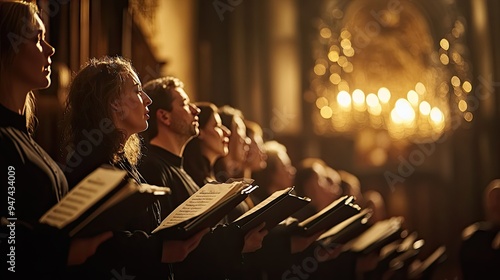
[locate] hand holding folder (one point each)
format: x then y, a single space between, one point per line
204 209
97 203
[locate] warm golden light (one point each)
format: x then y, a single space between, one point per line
326 112
325 32
404 110
345 34
444 59
348 67
358 97
348 52
462 105
395 117
372 100
436 115
384 95
444 44
396 77
378 156
412 96
345 44
420 88
467 86
321 102
344 99
333 56
335 78
375 110
468 116
425 108
319 69
343 86
342 61
455 81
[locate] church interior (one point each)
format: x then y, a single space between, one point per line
400 93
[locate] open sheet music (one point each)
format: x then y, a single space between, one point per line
204 209
96 203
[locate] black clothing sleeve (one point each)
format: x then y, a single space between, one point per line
478 257
127 255
33 252
275 253
218 256
133 253
31 184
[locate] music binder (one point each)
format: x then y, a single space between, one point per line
347 230
96 204
204 209
273 210
333 214
378 235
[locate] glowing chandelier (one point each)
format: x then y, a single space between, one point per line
377 65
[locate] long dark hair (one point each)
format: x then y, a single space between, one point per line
88 109
14 15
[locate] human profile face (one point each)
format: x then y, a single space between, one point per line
214 138
184 115
256 158
131 109
238 142
31 63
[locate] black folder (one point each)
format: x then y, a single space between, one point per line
379 235
207 219
98 202
347 230
273 210
338 211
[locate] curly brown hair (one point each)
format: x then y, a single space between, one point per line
94 88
